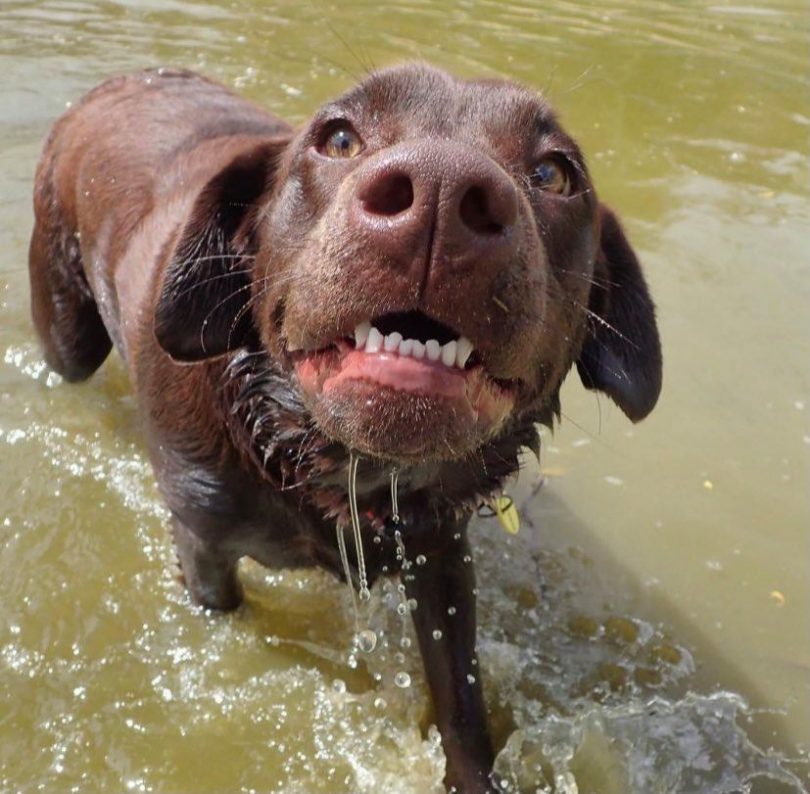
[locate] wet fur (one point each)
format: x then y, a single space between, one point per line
194 232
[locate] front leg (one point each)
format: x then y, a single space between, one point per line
444 619
208 570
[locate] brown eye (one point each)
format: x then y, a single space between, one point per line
552 176
343 142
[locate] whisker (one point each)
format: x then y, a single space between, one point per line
210 280
603 322
211 313
587 432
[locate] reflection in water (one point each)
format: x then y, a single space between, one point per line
695 117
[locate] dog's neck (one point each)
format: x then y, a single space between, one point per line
273 429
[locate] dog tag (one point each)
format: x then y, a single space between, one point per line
507 513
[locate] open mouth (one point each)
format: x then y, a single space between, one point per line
402 384
417 336
404 351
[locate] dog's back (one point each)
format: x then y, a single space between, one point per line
117 176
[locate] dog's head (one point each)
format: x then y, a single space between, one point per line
427 256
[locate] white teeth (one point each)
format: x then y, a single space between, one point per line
453 354
465 348
374 341
361 334
392 341
433 350
449 353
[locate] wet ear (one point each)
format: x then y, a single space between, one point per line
202 310
621 355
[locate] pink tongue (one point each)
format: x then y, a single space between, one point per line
400 372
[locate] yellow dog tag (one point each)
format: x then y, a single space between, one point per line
507 513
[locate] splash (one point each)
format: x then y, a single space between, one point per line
657 747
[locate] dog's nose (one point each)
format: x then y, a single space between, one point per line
437 203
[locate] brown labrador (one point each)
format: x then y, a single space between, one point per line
402 283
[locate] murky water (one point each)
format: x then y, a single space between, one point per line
645 632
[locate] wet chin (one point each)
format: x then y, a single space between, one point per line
394 425
398 408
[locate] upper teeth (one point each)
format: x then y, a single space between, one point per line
452 354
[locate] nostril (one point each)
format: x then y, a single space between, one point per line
390 194
476 212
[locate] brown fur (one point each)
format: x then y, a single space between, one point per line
206 240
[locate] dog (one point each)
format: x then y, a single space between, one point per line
353 326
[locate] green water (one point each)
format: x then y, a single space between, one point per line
647 631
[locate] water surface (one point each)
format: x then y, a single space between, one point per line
647 629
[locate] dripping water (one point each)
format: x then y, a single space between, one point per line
405 605
358 538
394 502
404 562
364 639
347 571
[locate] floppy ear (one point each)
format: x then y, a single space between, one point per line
202 310
621 355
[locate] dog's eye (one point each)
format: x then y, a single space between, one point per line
343 142
551 175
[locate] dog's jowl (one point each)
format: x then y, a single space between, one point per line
323 326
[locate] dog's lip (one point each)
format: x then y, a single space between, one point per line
399 373
344 341
345 345
340 364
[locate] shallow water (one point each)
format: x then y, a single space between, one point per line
647 629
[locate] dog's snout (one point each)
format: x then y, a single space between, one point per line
435 193
488 208
387 194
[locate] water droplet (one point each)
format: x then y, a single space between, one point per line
366 640
412 604
405 642
451 610
339 686
437 634
470 678
399 658
467 558
402 679
364 594
377 539
379 703
421 559
457 536
402 610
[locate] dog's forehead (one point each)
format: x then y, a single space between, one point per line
420 98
